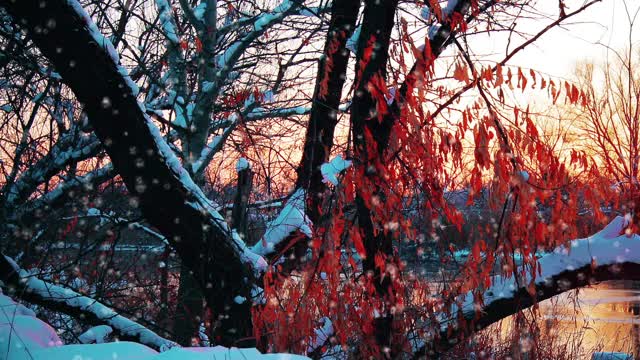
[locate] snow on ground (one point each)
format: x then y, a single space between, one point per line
132 351
220 352
110 351
25 337
125 350
55 293
97 334
21 332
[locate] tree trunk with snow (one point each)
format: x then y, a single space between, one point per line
168 198
331 75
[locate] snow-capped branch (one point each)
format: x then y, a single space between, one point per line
166 21
96 334
67 150
260 24
215 145
261 114
266 204
65 300
606 255
244 21
194 15
321 336
96 213
57 195
291 218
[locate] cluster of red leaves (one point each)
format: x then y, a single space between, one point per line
334 46
533 187
330 287
236 99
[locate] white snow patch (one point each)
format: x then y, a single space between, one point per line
202 334
265 20
97 334
451 4
21 332
268 96
132 351
242 164
219 352
291 218
352 42
123 350
38 97
425 13
311 11
207 86
166 21
321 334
391 97
199 10
433 31
331 169
221 60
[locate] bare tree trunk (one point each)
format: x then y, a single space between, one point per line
375 35
189 309
164 288
239 212
324 111
322 121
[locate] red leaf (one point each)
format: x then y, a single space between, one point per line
460 73
357 242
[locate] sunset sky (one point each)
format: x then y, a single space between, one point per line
557 52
